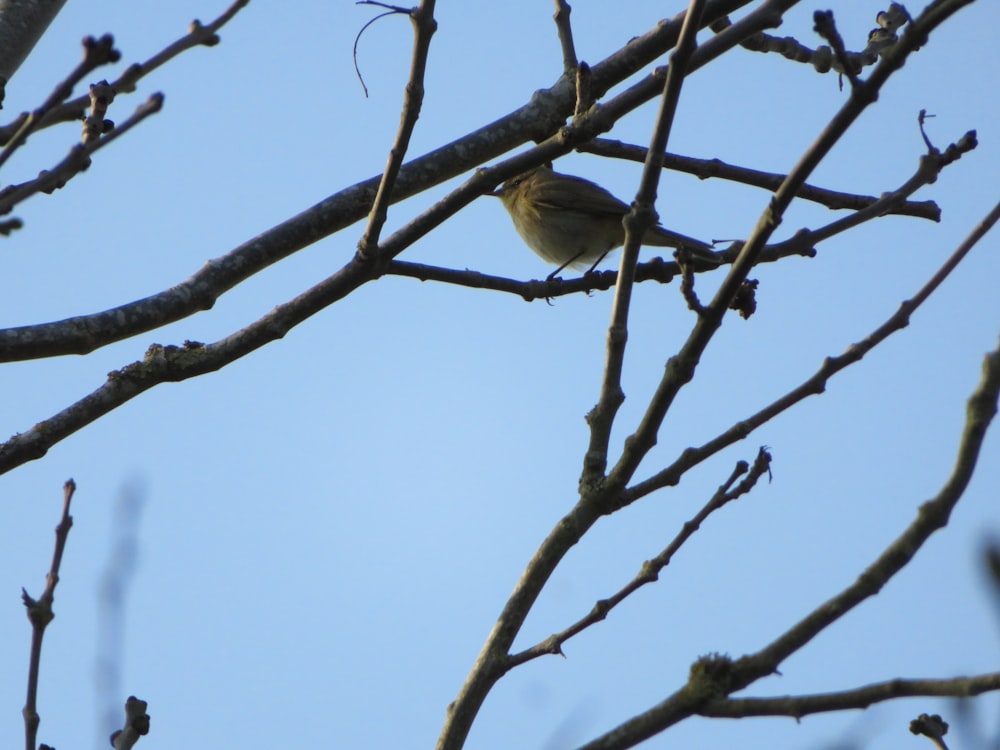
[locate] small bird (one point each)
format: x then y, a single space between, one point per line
570 221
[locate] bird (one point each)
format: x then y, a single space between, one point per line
572 222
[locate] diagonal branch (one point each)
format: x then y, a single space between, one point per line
76 161
815 384
715 677
650 571
680 368
424 27
636 221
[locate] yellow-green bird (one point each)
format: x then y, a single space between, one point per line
572 222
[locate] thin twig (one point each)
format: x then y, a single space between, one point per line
424 27
929 168
797 706
637 221
650 570
78 159
198 35
770 181
394 11
96 52
40 615
565 31
823 58
815 384
716 677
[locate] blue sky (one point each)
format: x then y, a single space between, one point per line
331 525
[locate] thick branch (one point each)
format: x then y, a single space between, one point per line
542 116
22 23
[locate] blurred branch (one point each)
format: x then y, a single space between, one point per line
40 615
116 577
826 27
797 706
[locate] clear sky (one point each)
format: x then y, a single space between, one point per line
330 527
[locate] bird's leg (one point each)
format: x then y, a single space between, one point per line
568 262
596 262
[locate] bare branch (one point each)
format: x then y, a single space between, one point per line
565 31
78 160
424 27
650 571
714 677
637 221
96 52
823 59
797 706
680 368
40 615
770 181
198 35
816 384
